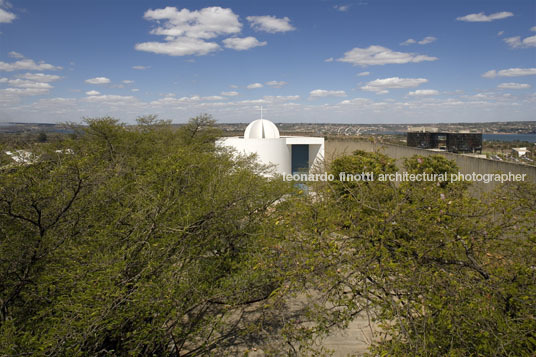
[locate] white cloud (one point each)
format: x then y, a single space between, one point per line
206 23
47 102
427 40
24 91
510 72
500 33
329 59
185 31
481 17
251 101
490 74
182 46
98 80
24 83
378 55
270 24
141 68
127 81
40 77
229 94
22 87
514 86
134 90
111 99
424 92
517 42
424 41
488 107
280 98
326 93
363 74
276 84
6 17
342 8
171 100
28 84
92 92
241 44
27 64
16 55
380 86
479 96
409 41
358 101
533 28
514 42
255 85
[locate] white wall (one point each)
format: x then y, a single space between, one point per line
316 148
316 156
277 151
269 151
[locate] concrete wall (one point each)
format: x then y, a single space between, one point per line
277 151
316 156
466 164
269 151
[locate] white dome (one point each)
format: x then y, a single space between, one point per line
261 129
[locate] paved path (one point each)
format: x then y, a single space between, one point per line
352 341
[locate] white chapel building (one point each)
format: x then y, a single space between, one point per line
288 154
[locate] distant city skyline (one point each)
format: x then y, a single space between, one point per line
313 61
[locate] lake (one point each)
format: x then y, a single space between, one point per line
531 138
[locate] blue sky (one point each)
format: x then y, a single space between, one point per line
355 61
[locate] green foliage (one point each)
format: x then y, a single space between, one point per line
200 131
440 271
361 161
146 240
136 240
368 166
42 137
434 164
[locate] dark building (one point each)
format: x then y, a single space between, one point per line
452 142
464 142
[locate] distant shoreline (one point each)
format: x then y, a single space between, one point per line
522 131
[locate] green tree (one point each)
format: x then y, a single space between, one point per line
146 240
440 271
42 137
138 240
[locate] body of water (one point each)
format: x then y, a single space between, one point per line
531 138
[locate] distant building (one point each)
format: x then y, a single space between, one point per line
288 154
519 152
452 142
22 157
422 129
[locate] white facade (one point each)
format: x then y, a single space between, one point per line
262 137
22 156
520 151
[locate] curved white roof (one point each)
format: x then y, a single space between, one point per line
261 129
